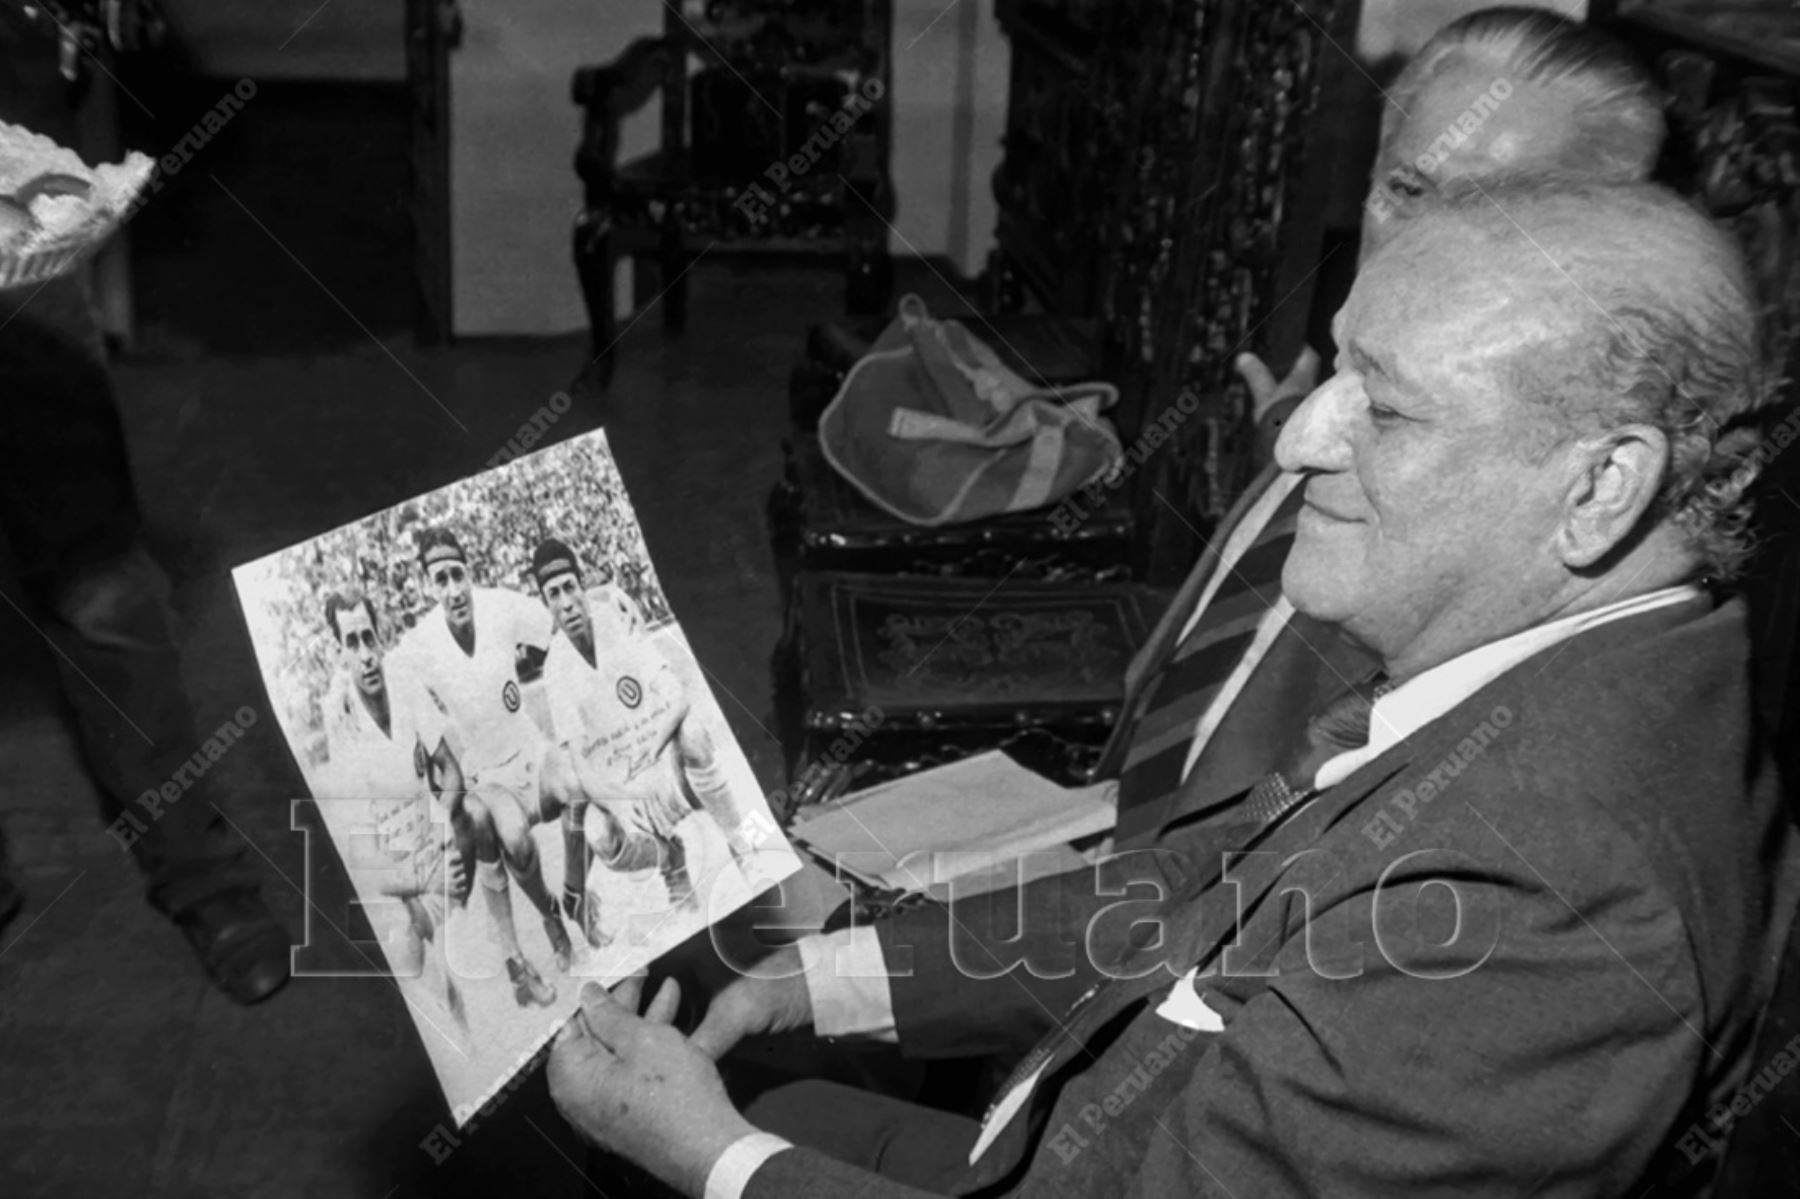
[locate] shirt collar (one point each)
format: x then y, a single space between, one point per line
1409 707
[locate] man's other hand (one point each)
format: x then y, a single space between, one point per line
634 1086
770 998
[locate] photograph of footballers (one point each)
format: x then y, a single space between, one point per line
513 749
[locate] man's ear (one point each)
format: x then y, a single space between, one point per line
1616 480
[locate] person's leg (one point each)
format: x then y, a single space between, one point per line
918 1146
514 822
562 798
81 576
703 770
498 818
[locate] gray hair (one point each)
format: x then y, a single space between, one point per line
1662 330
1618 107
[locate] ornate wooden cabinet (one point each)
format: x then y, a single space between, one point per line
1216 243
1063 145
1157 156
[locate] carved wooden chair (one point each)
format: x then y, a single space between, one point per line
776 144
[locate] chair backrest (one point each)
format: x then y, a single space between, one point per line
611 92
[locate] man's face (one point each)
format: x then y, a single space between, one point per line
361 649
568 603
1431 504
448 579
1468 122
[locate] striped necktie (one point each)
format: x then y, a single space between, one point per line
1191 679
1342 726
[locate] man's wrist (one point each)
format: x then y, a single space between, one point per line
732 1170
704 1148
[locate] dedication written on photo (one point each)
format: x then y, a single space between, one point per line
512 748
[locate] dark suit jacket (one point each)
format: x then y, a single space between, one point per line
1526 979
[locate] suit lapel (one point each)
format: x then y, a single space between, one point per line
1196 933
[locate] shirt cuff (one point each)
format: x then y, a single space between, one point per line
847 981
741 1159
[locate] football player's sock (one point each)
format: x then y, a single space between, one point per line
706 776
574 862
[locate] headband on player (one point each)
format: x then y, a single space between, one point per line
552 558
440 545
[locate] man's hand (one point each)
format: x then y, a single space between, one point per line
771 998
1266 392
635 1086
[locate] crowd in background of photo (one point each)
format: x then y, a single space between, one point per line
572 491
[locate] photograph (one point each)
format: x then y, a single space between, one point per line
513 750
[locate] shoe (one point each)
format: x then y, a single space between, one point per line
528 988
559 942
242 946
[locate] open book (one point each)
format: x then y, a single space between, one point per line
986 822
510 745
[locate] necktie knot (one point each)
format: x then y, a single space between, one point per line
1344 723
1341 726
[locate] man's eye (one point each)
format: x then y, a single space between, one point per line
1381 414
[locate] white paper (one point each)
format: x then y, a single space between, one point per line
982 813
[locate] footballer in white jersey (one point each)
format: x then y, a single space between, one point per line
376 737
465 659
620 709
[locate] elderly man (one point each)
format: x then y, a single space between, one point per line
1501 91
1510 906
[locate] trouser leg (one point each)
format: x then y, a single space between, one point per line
918 1146
84 580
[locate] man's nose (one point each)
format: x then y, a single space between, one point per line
1314 437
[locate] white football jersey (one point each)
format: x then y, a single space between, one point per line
375 776
480 691
611 714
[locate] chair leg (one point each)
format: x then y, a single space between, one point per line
675 278
594 267
869 274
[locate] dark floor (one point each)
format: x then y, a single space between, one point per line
124 1074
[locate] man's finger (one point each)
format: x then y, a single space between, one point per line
629 993
1258 376
1305 375
716 1034
666 1004
608 1021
